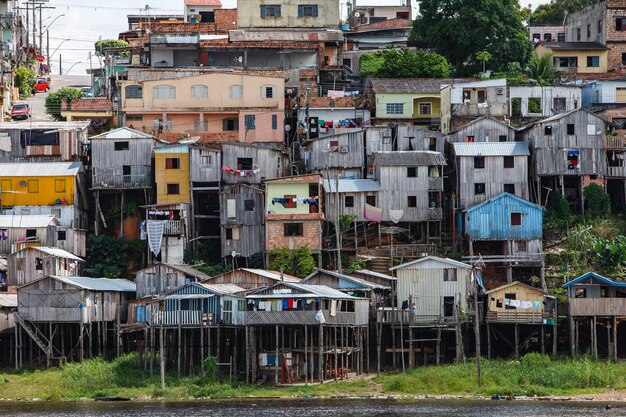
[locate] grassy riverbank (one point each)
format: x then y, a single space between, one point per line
533 375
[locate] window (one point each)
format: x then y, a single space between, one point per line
244 163
479 162
534 105
469 138
248 205
230 124
588 31
268 91
509 296
482 96
133 91
274 121
249 120
59 185
120 146
232 233
623 58
241 305
290 201
200 125
411 201
580 293
411 172
599 26
395 108
509 162
502 138
173 189
31 234
560 37
448 306
547 130
33 186
61 235
467 95
593 61
371 200
547 37
349 201
134 117
536 37
566 62
164 92
516 219
449 274
294 229
559 103
577 34
231 209
199 91
38 264
432 144
235 91
172 163
479 188
126 170
619 24
270 10
425 108
516 106
571 129
307 10
509 188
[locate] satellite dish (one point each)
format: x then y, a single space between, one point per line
287 128
234 253
357 14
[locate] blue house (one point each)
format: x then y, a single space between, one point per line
599 304
505 229
597 94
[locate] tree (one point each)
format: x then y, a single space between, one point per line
553 13
457 29
299 263
101 45
542 69
598 201
106 256
483 56
25 81
53 101
404 63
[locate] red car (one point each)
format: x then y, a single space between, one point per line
20 111
42 85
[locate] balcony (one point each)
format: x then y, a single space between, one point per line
514 316
435 214
182 317
119 181
597 306
260 318
616 171
614 142
173 228
397 316
435 184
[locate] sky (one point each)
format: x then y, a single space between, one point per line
73 35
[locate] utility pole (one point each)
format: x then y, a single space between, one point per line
477 324
60 65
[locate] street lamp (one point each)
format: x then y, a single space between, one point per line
57 48
48 39
75 63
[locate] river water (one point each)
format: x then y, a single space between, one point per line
317 408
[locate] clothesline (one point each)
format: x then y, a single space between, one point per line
241 172
517 303
284 201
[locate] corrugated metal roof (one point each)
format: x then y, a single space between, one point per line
8 300
491 149
57 252
596 276
44 125
186 296
408 158
498 197
355 280
99 284
515 284
272 275
40 169
447 261
223 289
124 133
375 274
30 221
411 85
309 291
351 186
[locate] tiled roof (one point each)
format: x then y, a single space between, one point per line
203 3
386 24
411 85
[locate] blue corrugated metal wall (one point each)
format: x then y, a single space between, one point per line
207 305
492 220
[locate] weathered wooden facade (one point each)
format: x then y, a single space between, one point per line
35 262
250 278
8 304
568 152
349 197
20 232
242 220
304 332
599 304
341 155
528 102
523 308
485 170
31 141
506 231
251 163
483 129
162 278
411 186
205 165
167 231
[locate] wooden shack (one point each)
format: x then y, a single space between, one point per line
598 304
251 278
251 163
342 155
411 186
485 170
162 278
35 262
167 231
205 165
304 332
242 220
59 313
505 231
8 305
523 308
343 196
483 129
569 152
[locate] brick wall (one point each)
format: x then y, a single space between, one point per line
587 181
87 104
225 19
275 235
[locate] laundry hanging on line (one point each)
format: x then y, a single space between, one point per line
241 172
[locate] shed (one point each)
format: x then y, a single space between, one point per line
520 303
340 154
35 262
161 278
343 196
251 164
251 278
483 129
242 219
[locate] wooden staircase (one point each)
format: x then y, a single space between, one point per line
39 338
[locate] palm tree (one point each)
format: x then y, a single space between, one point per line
542 69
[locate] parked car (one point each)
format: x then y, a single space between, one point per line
87 91
42 84
20 111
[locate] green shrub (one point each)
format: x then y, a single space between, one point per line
598 201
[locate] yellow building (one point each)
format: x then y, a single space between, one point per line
40 183
582 57
171 173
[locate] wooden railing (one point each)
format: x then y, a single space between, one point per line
518 316
298 317
116 181
398 316
410 251
182 317
616 171
597 306
173 228
614 142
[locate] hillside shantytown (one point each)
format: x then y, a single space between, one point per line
304 198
